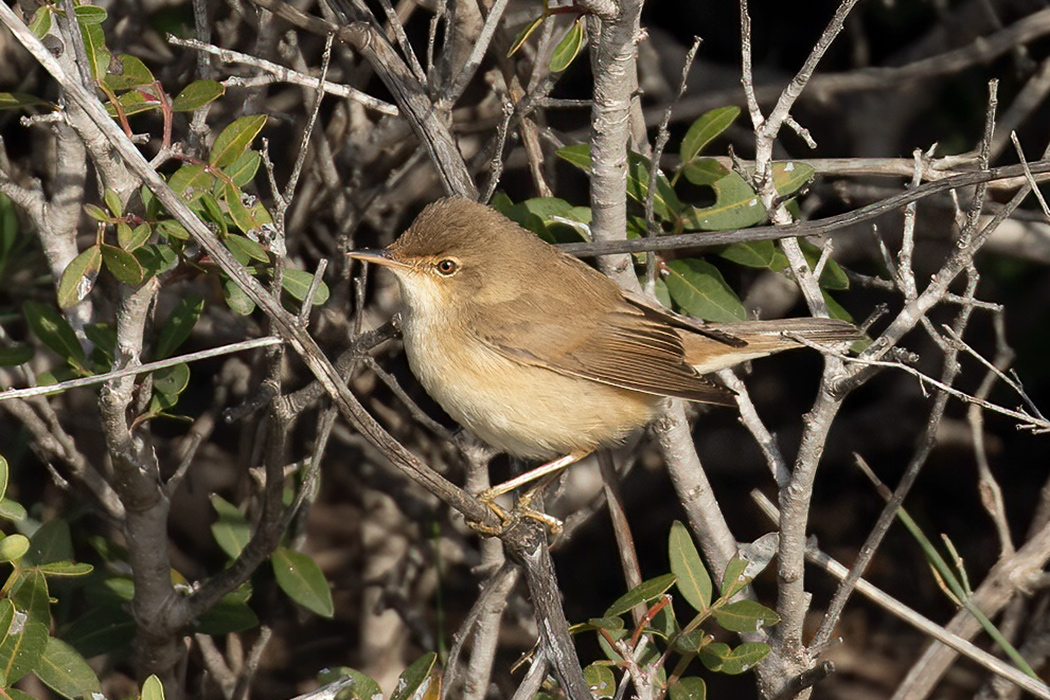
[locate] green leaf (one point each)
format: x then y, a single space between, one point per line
171 381
97 213
229 616
64 670
744 658
733 578
15 355
66 569
578 154
197 94
600 680
245 249
95 43
688 688
236 298
363 687
131 72
832 276
302 580
693 580
790 176
179 325
568 48
745 616
214 213
101 630
736 206
54 331
416 679
122 264
152 689
12 510
89 14
642 593
235 139
242 171
79 277
31 597
837 310
135 102
156 258
19 100
231 531
13 547
172 230
704 171
130 239
20 651
706 129
699 289
760 254
4 476
713 654
40 25
52 542
297 283
191 181
525 33
666 204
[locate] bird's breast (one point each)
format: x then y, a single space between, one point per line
526 410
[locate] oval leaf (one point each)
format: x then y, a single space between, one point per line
53 330
152 689
179 325
66 569
4 474
131 239
693 580
15 355
745 616
568 48
734 578
231 531
699 289
171 381
690 688
736 206
64 670
133 73
242 171
197 94
79 277
22 648
245 249
411 681
600 680
297 283
53 541
235 139
705 130
524 34
361 688
122 264
704 171
13 547
760 254
744 658
789 176
302 580
642 593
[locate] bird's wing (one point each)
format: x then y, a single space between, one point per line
618 345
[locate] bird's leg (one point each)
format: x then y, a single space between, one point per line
545 473
553 467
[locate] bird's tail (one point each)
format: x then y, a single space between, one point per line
762 338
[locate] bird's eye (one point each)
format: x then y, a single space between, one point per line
447 267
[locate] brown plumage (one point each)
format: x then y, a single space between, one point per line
541 355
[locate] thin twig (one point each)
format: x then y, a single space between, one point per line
139 369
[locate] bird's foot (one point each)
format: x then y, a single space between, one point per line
522 509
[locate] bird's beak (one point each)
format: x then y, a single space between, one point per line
379 256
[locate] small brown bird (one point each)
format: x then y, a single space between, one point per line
540 355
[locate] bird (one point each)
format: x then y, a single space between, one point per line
544 357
